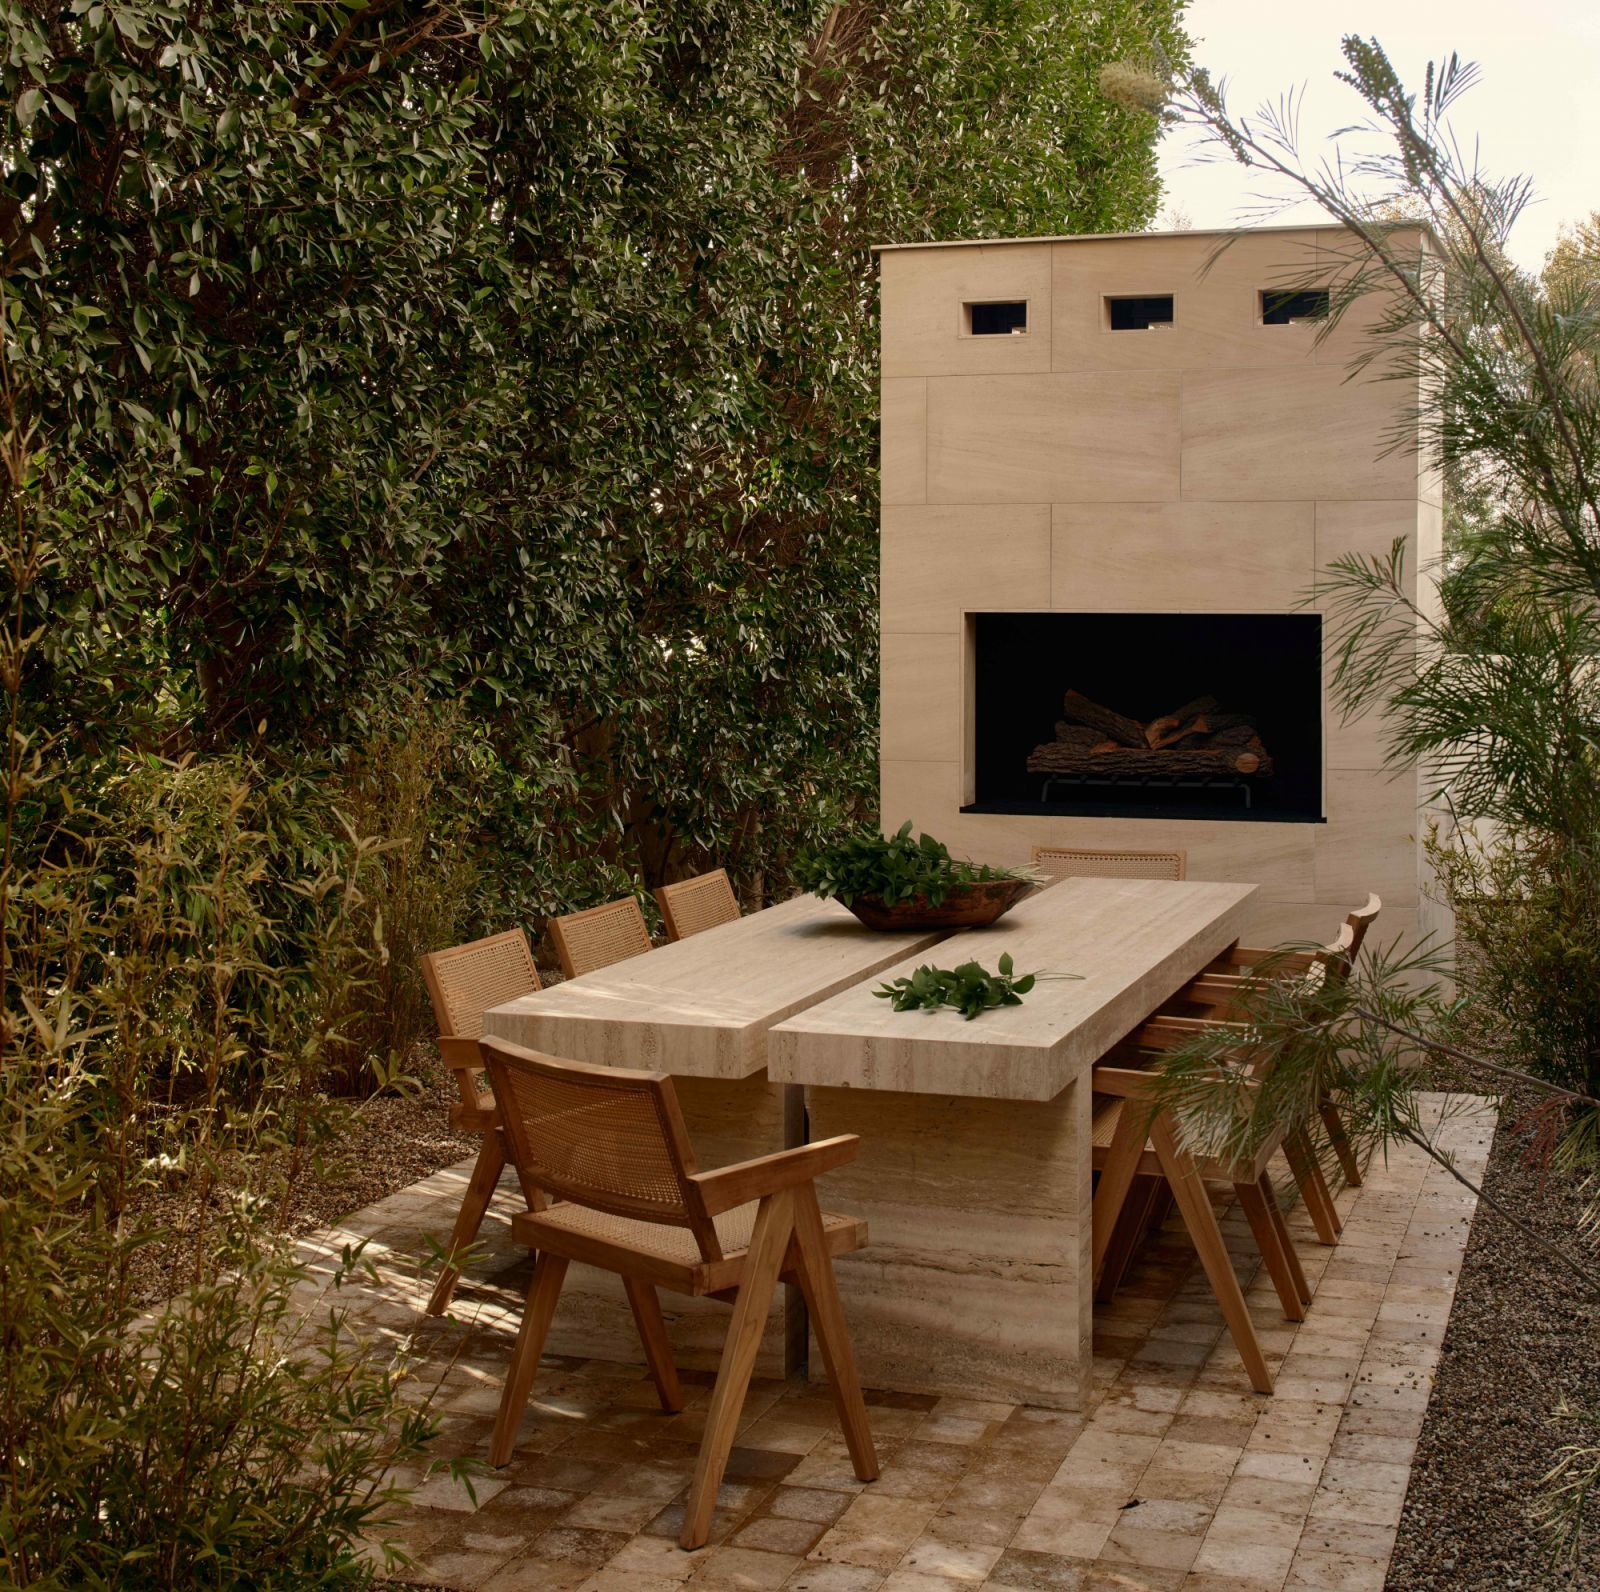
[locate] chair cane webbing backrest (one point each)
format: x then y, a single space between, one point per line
465 981
693 905
1073 862
605 1137
599 936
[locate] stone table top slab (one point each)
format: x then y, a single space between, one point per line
702 1007
1132 943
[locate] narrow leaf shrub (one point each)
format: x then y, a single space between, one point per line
182 1403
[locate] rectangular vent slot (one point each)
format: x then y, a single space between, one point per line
1005 319
1139 314
1283 307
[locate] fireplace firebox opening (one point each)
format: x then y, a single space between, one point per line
1143 715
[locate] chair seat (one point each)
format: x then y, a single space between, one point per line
585 1234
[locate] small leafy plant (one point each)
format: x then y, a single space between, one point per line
893 868
970 988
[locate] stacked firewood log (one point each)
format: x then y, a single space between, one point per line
1197 738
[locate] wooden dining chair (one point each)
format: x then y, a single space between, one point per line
599 936
1074 862
611 1146
1138 1151
1166 1032
695 904
463 983
1222 993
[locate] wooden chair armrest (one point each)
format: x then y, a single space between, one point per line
730 1186
1164 1033
1214 989
457 1053
1126 1083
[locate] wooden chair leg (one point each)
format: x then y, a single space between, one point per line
1313 1186
1291 1255
1201 1221
821 1290
1270 1244
549 1272
1333 1125
763 1262
480 1190
1133 1225
646 1308
1116 1177
1161 1206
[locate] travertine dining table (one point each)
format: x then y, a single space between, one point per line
701 1009
974 1174
975 1167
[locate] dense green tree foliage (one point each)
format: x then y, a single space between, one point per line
438 446
516 358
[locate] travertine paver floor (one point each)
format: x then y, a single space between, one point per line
1178 1478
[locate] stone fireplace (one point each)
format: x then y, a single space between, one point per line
1112 468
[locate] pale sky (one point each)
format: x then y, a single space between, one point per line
1535 111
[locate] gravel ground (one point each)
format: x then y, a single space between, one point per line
1522 1337
386 1144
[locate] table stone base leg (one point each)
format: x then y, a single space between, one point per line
728 1120
975 1279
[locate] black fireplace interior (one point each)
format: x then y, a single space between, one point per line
1264 667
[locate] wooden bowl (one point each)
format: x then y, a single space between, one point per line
966 906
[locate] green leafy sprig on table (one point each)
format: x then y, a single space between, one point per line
970 988
893 868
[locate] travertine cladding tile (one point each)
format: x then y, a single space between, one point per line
903 467
1305 431
1216 302
1370 840
936 562
1182 557
920 703
924 324
907 787
1369 530
971 1276
1341 261
1430 552
1053 439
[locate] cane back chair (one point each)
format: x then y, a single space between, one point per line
463 983
1221 994
611 1146
599 936
1074 862
695 904
1138 1152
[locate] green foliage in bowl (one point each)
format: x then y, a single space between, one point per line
893 868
